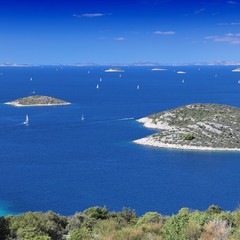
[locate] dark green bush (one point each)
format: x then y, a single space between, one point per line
188 136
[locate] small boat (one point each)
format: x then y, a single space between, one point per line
100 79
82 118
31 79
215 75
238 81
183 81
26 122
138 87
120 75
97 87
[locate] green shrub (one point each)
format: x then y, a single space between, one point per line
188 136
97 212
175 225
213 209
81 234
150 217
35 224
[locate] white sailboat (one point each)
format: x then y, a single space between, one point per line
138 87
82 118
26 122
97 87
100 79
31 79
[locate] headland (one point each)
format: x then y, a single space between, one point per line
207 127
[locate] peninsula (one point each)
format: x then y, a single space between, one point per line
36 100
212 127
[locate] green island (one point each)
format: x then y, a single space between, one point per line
37 100
100 224
212 127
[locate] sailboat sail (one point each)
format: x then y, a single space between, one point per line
26 122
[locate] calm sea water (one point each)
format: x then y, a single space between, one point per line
61 163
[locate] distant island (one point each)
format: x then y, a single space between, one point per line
213 127
181 72
114 70
37 101
236 70
16 65
159 69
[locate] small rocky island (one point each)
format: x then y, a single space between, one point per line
37 101
114 70
213 127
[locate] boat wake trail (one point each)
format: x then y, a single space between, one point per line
111 120
125 119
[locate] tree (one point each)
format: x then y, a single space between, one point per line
4 228
213 209
97 212
35 224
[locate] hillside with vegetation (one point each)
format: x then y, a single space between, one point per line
195 126
100 224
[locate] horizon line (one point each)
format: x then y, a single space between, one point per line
213 63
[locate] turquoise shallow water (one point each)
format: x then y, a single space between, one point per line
5 209
64 164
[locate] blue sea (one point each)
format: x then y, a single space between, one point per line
61 163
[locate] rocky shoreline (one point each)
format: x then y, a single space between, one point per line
206 127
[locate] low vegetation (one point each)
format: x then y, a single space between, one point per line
188 136
100 224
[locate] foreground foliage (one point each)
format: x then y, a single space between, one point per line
100 224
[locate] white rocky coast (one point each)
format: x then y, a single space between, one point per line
207 127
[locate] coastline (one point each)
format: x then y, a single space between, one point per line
148 123
148 141
15 104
